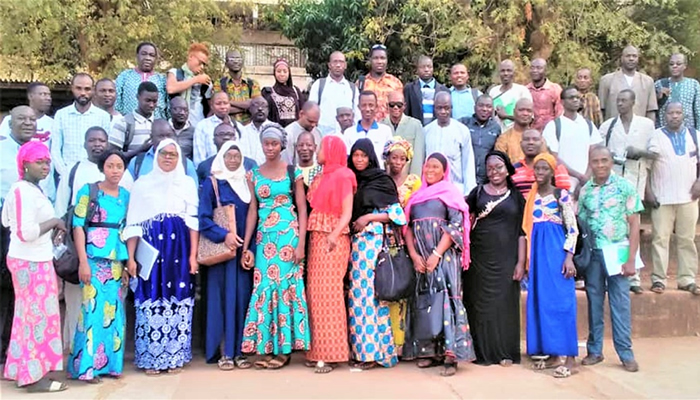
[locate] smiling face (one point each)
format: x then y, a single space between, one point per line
23 124
360 160
433 171
282 73
506 71
601 163
114 169
378 61
459 76
233 159
306 147
677 65
368 107
95 144
496 170
234 61
105 93
168 158
484 108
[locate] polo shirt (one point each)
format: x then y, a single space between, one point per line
142 131
379 134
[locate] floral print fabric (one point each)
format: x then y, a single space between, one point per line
103 242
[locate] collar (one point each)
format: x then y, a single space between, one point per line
74 110
140 118
151 151
667 131
466 89
610 180
230 79
388 121
342 81
544 86
187 125
218 120
252 126
479 124
431 83
361 129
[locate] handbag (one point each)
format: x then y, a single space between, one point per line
394 275
428 310
208 252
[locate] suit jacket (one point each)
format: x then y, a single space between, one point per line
414 99
411 129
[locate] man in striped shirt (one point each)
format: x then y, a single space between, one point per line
131 132
524 176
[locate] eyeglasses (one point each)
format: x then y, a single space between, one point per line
168 154
397 104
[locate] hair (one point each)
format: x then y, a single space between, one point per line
147 86
79 74
566 90
103 80
630 92
422 58
459 64
144 44
93 129
441 158
305 132
368 93
198 48
309 105
35 85
108 153
484 96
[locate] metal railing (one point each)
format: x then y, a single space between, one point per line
266 55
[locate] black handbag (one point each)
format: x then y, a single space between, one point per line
428 308
394 275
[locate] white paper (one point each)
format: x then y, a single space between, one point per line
614 257
146 256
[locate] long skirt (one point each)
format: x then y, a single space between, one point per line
551 299
98 348
35 344
326 270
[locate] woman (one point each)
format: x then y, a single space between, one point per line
228 284
491 288
277 320
551 303
98 347
438 243
192 83
330 195
128 82
397 153
284 98
30 216
375 206
163 214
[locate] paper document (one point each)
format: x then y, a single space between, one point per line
616 254
146 256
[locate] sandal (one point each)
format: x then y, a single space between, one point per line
323 368
93 381
242 362
692 288
226 364
46 386
279 362
152 372
263 362
310 364
174 371
563 372
366 366
551 362
658 287
450 369
428 363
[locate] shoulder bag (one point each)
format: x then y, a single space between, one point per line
208 252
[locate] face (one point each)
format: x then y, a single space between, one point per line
259 109
38 170
82 90
168 158
272 148
624 103
148 102
368 107
309 119
543 173
676 65
234 60
674 116
425 69
537 69
146 58
23 124
583 79
601 164
523 113
572 100
360 160
344 118
630 58
179 110
306 147
443 109
531 143
233 159
160 132
197 61
433 172
396 161
505 72
484 109
221 105
96 144
40 98
496 170
337 64
459 76
105 94
114 169
396 105
223 134
378 61
282 73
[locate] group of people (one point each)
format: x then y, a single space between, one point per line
481 192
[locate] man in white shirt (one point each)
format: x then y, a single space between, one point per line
249 142
39 96
448 136
570 136
333 92
203 141
367 127
507 93
307 122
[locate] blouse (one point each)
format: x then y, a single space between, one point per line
25 208
547 210
102 242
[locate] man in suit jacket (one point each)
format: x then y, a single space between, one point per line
420 93
408 128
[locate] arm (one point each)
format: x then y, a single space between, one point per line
62 200
696 106
300 201
629 268
131 249
194 244
172 86
83 267
418 261
57 147
519 272
252 219
603 91
558 107
652 102
418 151
199 144
27 227
345 216
468 166
313 91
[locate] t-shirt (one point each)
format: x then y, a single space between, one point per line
576 139
508 99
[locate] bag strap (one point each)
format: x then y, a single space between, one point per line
475 94
354 90
361 83
130 130
215 185
321 85
223 82
557 128
137 165
292 183
93 193
71 181
610 129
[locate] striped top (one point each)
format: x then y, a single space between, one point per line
524 177
142 131
25 208
674 171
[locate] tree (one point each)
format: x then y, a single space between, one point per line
52 39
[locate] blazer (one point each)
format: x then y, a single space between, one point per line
414 99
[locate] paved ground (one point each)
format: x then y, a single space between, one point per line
669 370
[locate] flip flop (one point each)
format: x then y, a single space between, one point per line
263 362
323 368
279 362
450 369
563 372
46 386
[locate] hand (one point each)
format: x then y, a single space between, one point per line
628 268
650 198
60 226
361 223
125 278
519 272
248 261
233 241
84 273
58 238
299 254
194 266
202 79
664 92
332 240
146 146
418 263
633 153
501 113
568 269
695 190
432 263
131 267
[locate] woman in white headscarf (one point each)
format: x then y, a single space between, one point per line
228 285
163 213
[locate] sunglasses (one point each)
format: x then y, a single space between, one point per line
378 46
395 105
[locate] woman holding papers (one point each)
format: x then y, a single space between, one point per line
162 218
228 284
97 223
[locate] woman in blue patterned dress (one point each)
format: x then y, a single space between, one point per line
99 339
375 208
278 318
163 213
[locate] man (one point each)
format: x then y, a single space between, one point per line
590 104
570 136
308 121
675 189
345 117
39 96
463 96
105 96
367 127
545 94
130 133
128 81
509 141
524 177
507 94
306 151
184 131
451 138
203 141
484 130
408 128
84 172
627 77
250 143
71 123
241 90
142 164
615 226
222 134
681 89
333 92
378 81
420 94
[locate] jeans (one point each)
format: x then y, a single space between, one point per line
618 288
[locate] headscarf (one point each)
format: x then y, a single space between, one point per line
31 152
375 189
160 192
448 193
284 89
530 204
236 179
274 131
398 143
337 180
506 160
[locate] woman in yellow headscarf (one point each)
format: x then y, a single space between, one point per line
550 224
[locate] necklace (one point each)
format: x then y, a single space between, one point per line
497 190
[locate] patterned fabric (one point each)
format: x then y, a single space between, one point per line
128 83
409 186
277 320
524 177
203 141
68 137
240 91
590 108
103 242
508 99
687 92
371 339
35 345
547 210
546 103
382 87
606 207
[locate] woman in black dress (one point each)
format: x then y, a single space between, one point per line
491 287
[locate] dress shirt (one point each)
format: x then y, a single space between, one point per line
250 143
68 137
335 94
293 131
203 141
455 143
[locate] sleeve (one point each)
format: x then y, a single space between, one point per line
207 226
603 91
502 144
192 209
633 204
216 85
468 164
5 127
82 200
255 91
550 136
62 198
191 171
654 145
561 177
57 146
525 93
454 226
198 142
24 208
595 136
118 102
298 174
603 130
356 105
127 181
418 151
652 102
569 220
117 135
471 200
396 214
696 105
313 92
558 107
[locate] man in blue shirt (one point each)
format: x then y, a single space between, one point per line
420 94
484 130
463 96
222 134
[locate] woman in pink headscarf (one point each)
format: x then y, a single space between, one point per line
30 216
437 329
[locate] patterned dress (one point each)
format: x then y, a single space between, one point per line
128 83
277 320
371 339
99 339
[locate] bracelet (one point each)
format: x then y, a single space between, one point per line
436 254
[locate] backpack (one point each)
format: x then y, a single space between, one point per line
139 161
585 241
180 76
360 83
557 127
128 133
223 82
322 84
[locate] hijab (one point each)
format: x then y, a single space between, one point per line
375 189
31 152
448 194
274 131
236 179
284 89
337 180
530 204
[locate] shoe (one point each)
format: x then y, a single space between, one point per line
636 289
592 359
630 366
